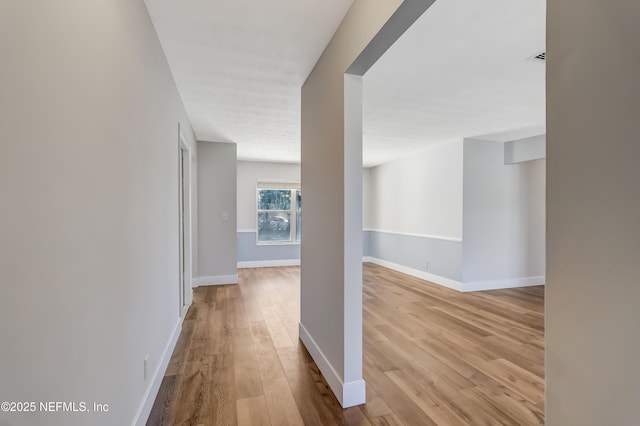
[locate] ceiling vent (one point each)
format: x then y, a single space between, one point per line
539 56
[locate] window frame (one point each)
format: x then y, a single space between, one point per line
292 187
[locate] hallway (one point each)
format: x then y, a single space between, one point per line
432 356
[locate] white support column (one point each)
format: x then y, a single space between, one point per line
331 133
354 389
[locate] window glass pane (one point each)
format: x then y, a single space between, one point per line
299 199
274 226
274 199
298 225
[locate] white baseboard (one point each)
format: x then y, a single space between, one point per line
269 263
348 394
215 280
437 279
500 284
354 393
457 285
144 410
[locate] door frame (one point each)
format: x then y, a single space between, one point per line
185 273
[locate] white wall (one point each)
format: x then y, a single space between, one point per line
421 194
217 251
593 210
503 217
89 114
249 173
367 192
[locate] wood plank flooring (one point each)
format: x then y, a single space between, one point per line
432 356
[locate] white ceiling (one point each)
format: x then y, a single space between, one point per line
239 66
460 71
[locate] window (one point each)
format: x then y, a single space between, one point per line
279 213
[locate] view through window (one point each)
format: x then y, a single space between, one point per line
279 213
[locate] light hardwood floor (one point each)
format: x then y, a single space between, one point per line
432 356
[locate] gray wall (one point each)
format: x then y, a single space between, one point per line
250 251
89 114
432 255
217 245
503 221
593 213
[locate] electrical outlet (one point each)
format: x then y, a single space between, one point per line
146 366
426 265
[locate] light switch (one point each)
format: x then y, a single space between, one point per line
225 216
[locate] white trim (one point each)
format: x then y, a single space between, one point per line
257 160
185 238
268 263
144 410
216 280
437 279
434 237
293 184
500 284
457 285
354 393
277 243
246 230
348 394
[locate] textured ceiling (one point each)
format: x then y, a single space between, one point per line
460 71
239 66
